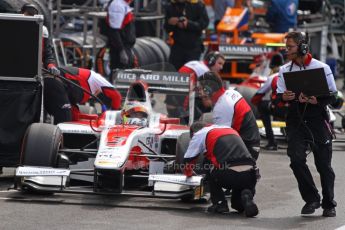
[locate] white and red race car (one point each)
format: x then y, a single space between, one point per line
129 157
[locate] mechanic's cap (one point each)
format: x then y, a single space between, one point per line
134 107
196 126
276 60
29 8
210 82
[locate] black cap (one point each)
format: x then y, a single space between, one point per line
276 60
29 8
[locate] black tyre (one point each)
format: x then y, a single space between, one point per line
41 145
159 55
181 147
162 45
11 6
146 55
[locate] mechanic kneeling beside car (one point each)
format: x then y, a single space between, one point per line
230 163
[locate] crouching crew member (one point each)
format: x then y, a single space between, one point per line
307 123
231 109
61 97
231 167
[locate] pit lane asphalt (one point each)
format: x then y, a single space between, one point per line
277 197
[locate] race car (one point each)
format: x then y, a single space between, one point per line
130 155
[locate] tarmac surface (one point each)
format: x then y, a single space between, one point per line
277 198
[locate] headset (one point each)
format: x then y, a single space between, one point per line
210 83
303 46
211 58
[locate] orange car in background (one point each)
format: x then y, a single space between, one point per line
238 45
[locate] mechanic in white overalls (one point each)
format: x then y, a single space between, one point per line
121 34
230 163
231 109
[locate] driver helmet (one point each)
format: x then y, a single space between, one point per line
135 113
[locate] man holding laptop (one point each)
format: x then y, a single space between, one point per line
307 121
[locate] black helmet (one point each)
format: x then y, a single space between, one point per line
29 8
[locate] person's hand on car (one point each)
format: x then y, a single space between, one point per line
54 71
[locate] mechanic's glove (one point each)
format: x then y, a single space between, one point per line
124 57
53 70
188 170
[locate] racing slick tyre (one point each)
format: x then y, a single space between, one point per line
41 145
181 147
162 45
11 6
159 55
144 54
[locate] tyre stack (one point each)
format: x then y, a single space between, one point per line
151 53
151 50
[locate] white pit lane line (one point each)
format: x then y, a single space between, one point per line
341 228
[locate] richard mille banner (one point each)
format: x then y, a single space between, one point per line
244 50
152 77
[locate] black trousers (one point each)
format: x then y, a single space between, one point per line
115 59
316 133
56 101
230 179
181 55
265 114
253 148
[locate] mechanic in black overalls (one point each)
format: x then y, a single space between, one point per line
308 124
121 34
48 57
231 166
186 20
55 100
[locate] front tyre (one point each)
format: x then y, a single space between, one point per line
41 145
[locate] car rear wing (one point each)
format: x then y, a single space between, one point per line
158 82
163 82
